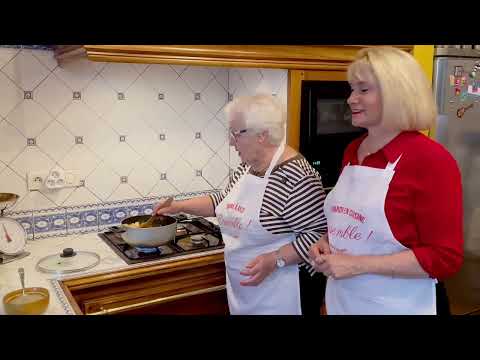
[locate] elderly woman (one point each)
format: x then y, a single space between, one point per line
270 213
395 215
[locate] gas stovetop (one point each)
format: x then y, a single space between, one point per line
193 235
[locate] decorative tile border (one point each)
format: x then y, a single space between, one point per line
49 222
34 47
61 297
62 221
82 219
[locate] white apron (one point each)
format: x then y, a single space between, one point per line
245 238
357 225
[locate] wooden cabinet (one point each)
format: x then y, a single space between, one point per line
182 287
312 57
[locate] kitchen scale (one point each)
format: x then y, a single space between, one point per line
13 236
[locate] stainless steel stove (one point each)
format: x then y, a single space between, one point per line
193 235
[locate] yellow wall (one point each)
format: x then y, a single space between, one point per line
424 55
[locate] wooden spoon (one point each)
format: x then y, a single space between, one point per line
150 221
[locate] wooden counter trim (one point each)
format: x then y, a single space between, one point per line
111 276
161 300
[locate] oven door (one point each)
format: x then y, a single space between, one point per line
326 127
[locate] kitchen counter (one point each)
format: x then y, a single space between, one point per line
109 260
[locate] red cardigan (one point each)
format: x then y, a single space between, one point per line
424 200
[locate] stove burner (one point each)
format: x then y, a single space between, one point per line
193 235
147 250
197 239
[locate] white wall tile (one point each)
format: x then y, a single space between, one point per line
76 74
164 188
179 96
222 117
215 171
78 118
32 159
197 77
47 58
142 138
143 177
197 116
26 71
80 159
224 183
140 68
251 78
29 118
102 182
12 142
124 191
7 54
53 94
122 158
214 97
34 200
100 139
224 153
179 69
221 75
181 175
119 76
198 184
81 196
161 156
214 134
56 141
159 116
58 196
157 76
197 154
99 65
99 96
179 136
10 182
11 95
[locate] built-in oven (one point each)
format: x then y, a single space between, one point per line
326 126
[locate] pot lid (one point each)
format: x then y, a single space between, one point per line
68 261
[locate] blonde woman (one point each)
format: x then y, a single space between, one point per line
395 215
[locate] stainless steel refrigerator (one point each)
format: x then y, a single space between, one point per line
456 87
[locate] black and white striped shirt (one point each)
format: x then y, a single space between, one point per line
293 203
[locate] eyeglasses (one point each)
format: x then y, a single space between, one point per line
236 134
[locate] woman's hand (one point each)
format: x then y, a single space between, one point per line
319 248
258 269
338 265
169 206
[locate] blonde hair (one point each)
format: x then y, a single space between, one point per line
407 98
261 112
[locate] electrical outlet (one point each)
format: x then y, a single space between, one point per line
36 180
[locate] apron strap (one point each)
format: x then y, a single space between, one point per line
391 166
275 158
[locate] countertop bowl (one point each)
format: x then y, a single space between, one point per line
33 302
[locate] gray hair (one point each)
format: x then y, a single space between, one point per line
261 112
